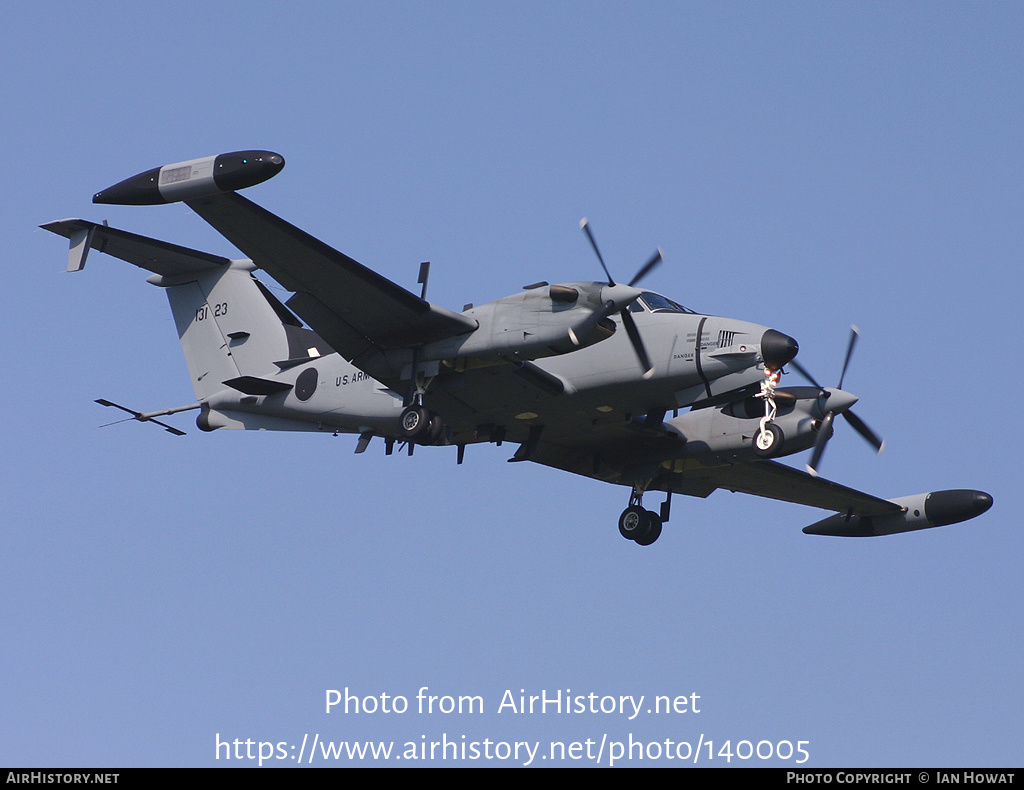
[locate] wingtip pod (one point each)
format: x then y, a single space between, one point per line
196 178
921 511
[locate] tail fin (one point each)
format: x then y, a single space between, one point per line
228 330
234 332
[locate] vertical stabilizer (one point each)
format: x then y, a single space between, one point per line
229 324
228 328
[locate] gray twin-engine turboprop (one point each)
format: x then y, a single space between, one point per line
581 375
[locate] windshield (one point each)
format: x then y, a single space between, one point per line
657 303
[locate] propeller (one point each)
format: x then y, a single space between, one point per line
627 319
842 406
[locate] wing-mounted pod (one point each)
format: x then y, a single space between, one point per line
196 178
922 511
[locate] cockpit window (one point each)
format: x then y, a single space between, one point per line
657 303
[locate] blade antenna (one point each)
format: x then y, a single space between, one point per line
424 276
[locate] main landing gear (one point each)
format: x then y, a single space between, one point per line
416 424
420 426
639 525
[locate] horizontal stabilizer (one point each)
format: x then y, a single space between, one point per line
253 385
159 257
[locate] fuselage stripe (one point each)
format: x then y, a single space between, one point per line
696 355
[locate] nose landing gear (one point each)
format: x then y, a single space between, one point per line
768 439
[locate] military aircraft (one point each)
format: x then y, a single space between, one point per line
581 376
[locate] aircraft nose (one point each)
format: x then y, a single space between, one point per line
777 349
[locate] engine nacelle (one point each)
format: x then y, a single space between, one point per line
729 430
544 321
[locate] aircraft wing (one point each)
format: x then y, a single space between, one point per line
777 481
643 450
357 311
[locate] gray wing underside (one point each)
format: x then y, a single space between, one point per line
357 311
777 481
768 479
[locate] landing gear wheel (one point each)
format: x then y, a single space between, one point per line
436 429
653 531
415 422
769 441
634 523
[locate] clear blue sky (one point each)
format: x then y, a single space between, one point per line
803 165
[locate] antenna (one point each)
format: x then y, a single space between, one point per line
424 276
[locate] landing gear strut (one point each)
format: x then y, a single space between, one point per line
639 525
768 439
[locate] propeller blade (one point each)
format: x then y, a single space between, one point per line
627 318
646 269
854 334
824 432
860 427
638 344
784 397
803 372
856 422
583 328
585 225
